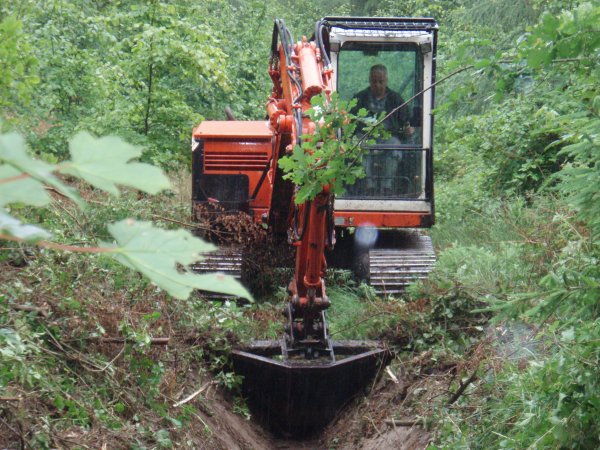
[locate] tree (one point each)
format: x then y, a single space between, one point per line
17 66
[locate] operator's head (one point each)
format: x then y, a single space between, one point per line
378 79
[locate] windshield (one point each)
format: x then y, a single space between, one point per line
382 76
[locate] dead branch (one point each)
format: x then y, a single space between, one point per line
56 191
70 214
63 247
192 396
28 308
18 433
188 225
119 340
403 422
463 386
393 377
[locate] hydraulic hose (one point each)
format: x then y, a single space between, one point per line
319 27
283 33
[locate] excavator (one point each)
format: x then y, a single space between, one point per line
297 384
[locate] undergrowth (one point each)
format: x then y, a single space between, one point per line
498 348
91 352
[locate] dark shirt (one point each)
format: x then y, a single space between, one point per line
395 123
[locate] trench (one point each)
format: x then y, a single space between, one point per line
350 429
346 431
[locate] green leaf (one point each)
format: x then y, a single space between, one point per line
527 417
538 56
24 190
596 103
12 152
482 63
16 228
119 407
103 162
549 26
568 335
162 255
59 402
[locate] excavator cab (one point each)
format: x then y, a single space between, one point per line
377 219
397 190
394 164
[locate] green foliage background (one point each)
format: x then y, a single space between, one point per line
517 190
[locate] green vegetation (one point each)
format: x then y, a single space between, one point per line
518 218
322 165
502 340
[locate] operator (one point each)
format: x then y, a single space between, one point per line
381 167
378 98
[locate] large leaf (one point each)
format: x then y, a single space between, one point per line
20 190
12 152
13 227
162 255
104 163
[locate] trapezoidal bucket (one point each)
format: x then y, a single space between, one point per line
299 397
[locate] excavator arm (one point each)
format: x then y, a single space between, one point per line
299 72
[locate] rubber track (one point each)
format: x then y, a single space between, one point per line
226 260
391 270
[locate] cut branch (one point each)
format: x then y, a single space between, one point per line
403 422
62 247
28 308
194 395
463 386
119 340
178 222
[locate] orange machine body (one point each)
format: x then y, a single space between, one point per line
232 150
249 149
235 166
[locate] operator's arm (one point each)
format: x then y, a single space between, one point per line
399 122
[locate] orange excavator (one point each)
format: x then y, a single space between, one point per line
296 384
